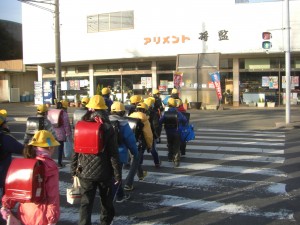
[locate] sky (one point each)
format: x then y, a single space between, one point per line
11 10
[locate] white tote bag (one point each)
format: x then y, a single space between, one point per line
73 193
12 220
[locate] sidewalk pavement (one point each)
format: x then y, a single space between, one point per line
21 110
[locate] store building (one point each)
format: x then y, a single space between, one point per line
135 46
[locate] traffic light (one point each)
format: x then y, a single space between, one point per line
266 36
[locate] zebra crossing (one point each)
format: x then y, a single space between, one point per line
224 174
220 165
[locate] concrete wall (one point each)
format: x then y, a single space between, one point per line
153 21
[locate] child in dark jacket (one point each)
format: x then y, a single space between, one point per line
172 131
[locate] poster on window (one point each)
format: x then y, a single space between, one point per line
215 77
265 81
294 82
149 82
143 81
273 82
74 84
177 79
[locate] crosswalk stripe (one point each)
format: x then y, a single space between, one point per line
202 182
261 143
244 132
221 168
239 138
229 149
231 157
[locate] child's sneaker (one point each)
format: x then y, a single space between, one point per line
176 163
143 176
123 199
128 187
158 164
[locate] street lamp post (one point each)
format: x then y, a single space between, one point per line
57 38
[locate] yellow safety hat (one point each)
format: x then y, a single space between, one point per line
3 115
96 102
105 91
156 92
174 91
85 100
117 107
149 101
64 103
142 105
134 99
41 108
172 102
43 138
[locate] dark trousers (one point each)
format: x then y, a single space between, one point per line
60 152
174 142
88 191
182 148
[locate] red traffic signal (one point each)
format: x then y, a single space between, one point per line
266 35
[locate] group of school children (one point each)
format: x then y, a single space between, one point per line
126 133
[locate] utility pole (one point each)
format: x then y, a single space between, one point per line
287 64
57 38
57 52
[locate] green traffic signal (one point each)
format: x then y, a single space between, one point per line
266 45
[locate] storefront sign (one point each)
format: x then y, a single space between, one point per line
38 92
64 85
171 39
215 77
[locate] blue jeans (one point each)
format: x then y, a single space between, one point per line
117 189
135 167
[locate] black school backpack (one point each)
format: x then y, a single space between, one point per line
34 124
136 126
154 121
116 125
171 120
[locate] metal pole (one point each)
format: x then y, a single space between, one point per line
122 97
57 52
287 65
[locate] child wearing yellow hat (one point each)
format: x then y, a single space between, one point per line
47 212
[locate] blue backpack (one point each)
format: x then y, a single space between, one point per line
187 133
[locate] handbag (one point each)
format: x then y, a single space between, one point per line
12 220
187 133
68 147
73 192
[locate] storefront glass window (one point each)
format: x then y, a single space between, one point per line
226 63
166 65
188 61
